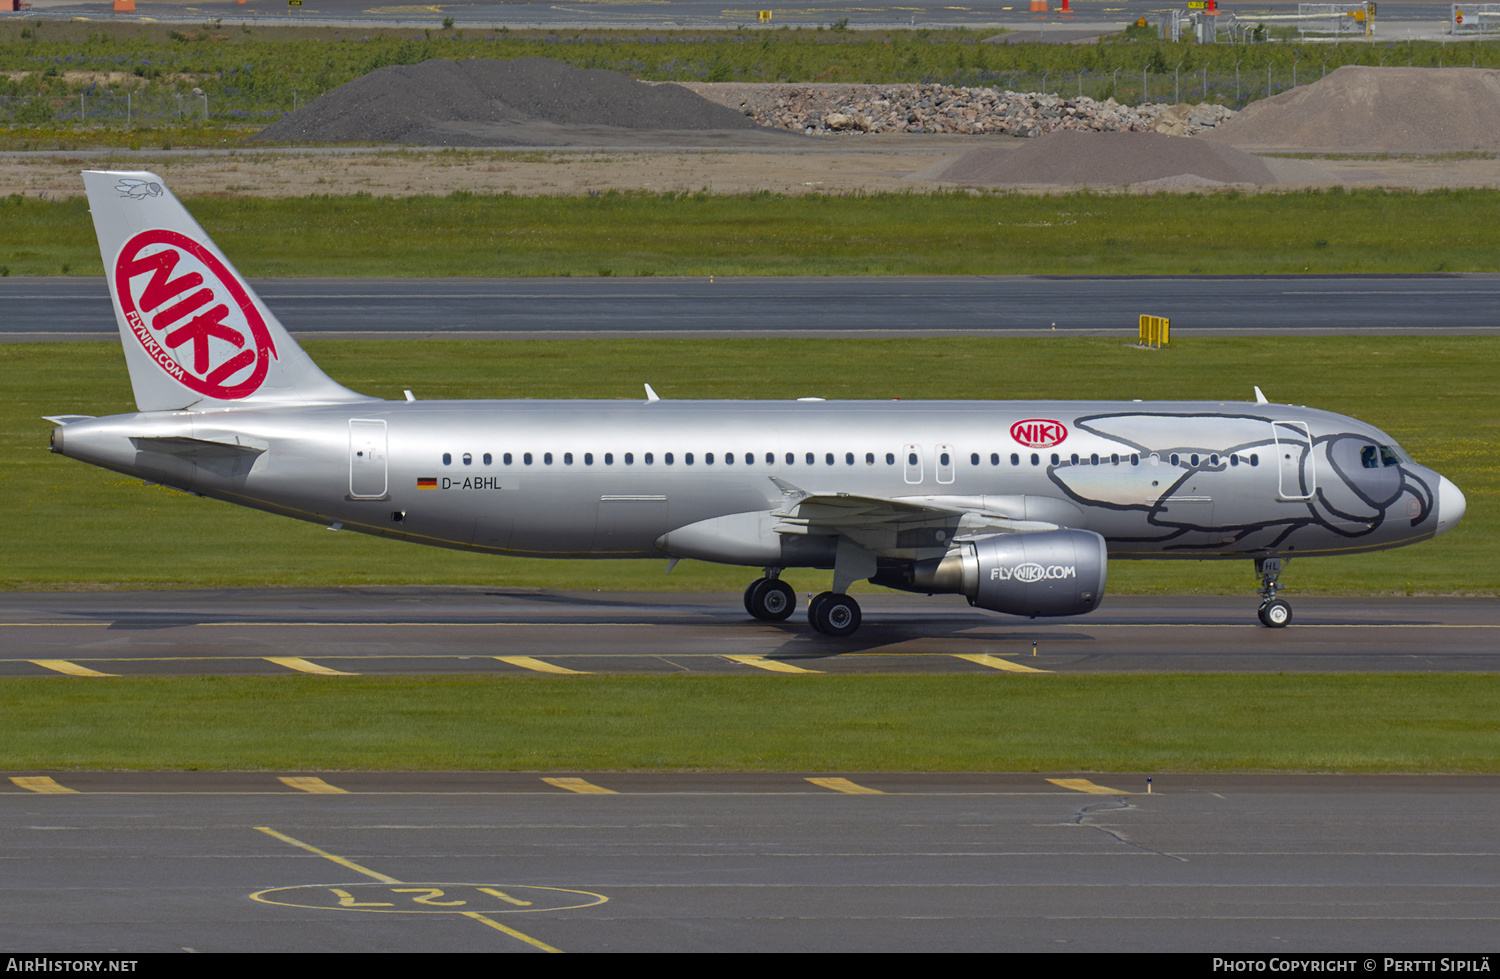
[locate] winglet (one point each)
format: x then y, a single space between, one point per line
1260 399
651 395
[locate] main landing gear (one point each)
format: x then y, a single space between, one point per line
772 600
1274 613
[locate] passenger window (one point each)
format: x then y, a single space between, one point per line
468 459
629 458
1056 458
588 458
828 458
973 458
687 458
791 458
648 458
567 458
668 458
890 458
848 458
1015 459
547 458
609 458
526 458
869 458
488 458
708 458
509 458
1036 460
809 458
447 458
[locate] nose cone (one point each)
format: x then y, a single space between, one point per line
1451 505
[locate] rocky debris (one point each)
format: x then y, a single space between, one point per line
818 110
1108 159
487 102
1382 110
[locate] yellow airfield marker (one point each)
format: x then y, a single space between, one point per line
579 785
1084 785
532 663
844 785
305 666
775 666
63 666
40 783
308 783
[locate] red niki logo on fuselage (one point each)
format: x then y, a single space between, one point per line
1039 433
192 315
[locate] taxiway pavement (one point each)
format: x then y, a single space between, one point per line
595 862
38 309
407 630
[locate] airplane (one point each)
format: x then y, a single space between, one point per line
1017 506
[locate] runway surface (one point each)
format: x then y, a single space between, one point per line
375 631
839 306
812 862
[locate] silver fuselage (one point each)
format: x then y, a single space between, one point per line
620 479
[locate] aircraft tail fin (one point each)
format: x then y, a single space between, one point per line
195 334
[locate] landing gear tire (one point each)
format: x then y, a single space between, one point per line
833 614
770 600
1275 614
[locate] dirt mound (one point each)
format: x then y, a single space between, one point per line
1110 159
524 102
1379 110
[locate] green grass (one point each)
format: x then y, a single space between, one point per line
634 234
1405 723
86 527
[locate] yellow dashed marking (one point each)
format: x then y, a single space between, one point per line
844 785
579 785
305 666
532 663
40 783
996 663
71 669
1084 785
310 784
775 666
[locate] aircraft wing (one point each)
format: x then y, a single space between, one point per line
886 525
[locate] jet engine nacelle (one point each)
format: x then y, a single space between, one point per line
1054 572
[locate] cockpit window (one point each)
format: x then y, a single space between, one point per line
1380 456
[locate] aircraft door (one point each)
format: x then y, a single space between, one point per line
1295 468
912 458
945 463
367 459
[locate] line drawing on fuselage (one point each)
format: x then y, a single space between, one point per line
1017 506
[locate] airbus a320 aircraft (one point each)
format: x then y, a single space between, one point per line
1018 506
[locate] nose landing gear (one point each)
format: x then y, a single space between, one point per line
1274 613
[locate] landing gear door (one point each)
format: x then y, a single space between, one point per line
367 457
1295 468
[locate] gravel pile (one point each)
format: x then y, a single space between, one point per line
819 110
1380 110
1109 159
522 102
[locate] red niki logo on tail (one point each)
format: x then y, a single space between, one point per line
192 315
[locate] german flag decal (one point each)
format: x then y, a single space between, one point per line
426 482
